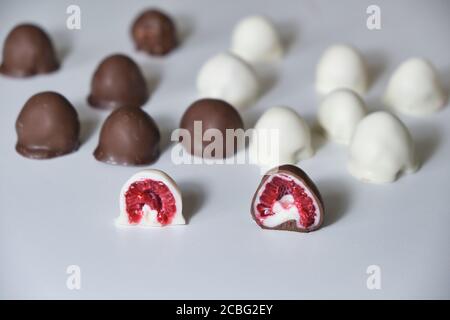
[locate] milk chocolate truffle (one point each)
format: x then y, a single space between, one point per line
154 32
287 199
118 82
213 117
128 137
28 51
47 127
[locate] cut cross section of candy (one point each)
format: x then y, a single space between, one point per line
287 199
150 198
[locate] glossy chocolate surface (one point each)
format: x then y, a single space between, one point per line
47 127
118 82
128 137
212 114
154 32
28 51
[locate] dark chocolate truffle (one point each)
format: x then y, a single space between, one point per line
118 82
211 114
28 51
47 127
287 199
128 137
154 32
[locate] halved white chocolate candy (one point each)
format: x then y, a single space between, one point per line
150 198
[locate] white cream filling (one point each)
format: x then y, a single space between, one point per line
284 210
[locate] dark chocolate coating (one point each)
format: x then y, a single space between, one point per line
214 114
47 127
28 51
128 137
118 82
299 174
154 32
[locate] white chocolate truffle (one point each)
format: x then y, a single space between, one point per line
227 77
381 149
281 136
341 66
255 39
339 113
150 198
414 89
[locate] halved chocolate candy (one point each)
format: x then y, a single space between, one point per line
287 199
150 198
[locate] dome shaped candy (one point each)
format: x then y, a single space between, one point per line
227 77
255 39
293 143
154 32
339 113
47 127
415 89
341 66
128 137
210 114
28 51
118 82
381 149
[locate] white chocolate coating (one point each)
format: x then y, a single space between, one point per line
341 66
414 89
255 39
381 149
149 218
293 143
227 77
339 113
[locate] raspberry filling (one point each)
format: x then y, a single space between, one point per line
283 191
156 195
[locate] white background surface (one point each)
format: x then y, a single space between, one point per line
60 212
